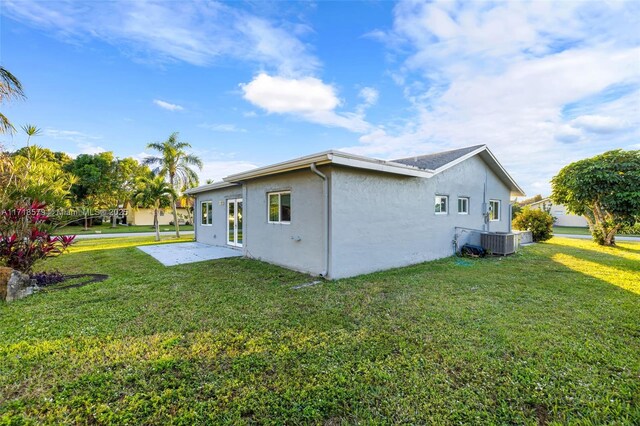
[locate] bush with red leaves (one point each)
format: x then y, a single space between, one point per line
25 237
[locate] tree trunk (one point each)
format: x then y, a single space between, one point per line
114 219
175 210
85 222
156 224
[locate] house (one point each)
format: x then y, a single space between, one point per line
144 216
140 216
338 215
559 212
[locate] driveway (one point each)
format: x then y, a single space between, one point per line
180 253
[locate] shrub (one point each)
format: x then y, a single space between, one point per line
25 237
539 222
630 230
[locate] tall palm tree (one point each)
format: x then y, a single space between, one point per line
175 164
10 88
153 192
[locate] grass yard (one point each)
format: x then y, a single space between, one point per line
575 230
548 336
106 228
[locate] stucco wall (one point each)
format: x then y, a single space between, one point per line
216 233
298 245
381 221
145 216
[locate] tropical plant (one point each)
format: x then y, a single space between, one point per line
25 237
10 88
175 164
35 176
156 193
604 189
539 222
31 130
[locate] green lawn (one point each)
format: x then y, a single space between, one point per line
576 230
106 228
550 335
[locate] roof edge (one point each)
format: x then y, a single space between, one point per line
209 187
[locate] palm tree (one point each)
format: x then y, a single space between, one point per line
31 130
175 164
10 88
154 192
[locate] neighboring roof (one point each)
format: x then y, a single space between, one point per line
424 166
437 160
544 200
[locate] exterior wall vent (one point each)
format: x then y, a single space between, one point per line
501 243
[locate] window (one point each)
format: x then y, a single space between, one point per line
206 212
494 210
463 205
279 207
441 204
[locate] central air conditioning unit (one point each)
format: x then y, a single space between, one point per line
502 243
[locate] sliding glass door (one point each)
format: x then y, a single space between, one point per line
234 222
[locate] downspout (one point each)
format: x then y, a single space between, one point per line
325 217
196 213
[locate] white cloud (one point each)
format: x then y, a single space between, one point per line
217 169
307 98
222 127
283 95
88 148
369 95
69 135
167 105
199 33
525 78
599 123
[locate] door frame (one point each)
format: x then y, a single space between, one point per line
235 202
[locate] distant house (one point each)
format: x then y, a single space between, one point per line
337 215
559 213
137 216
144 216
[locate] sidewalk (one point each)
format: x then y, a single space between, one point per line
130 234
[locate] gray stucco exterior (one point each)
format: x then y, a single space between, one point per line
381 221
372 220
216 233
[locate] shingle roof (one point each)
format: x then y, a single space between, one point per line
437 160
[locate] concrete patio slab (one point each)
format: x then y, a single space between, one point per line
180 253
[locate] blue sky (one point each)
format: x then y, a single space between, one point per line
252 83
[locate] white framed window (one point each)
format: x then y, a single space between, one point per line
206 213
279 208
494 210
442 204
463 205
